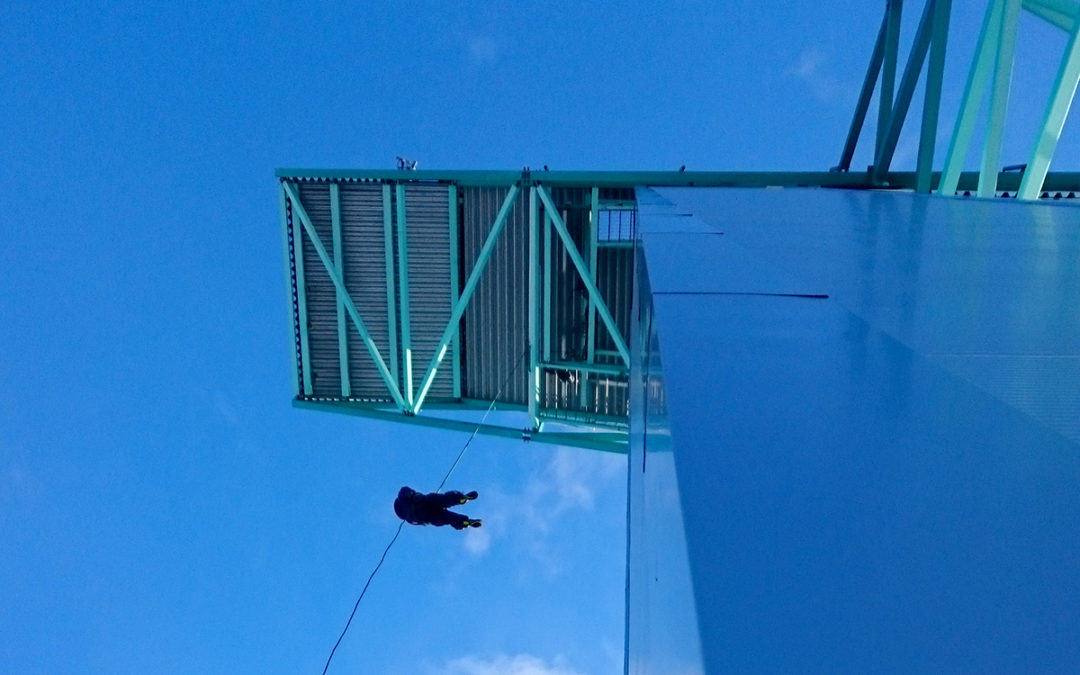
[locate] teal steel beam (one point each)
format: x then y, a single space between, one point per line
999 98
455 343
403 288
289 291
583 272
599 369
342 325
888 74
617 439
863 104
1061 13
978 77
301 288
391 294
932 102
916 58
603 441
589 239
1064 180
612 353
1057 110
534 316
588 419
313 237
545 306
466 295
602 179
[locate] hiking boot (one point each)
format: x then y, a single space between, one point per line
471 495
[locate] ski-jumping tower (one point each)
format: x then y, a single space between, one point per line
850 400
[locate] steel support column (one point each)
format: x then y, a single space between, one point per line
863 105
1057 110
912 70
893 10
978 77
932 102
999 98
403 288
342 324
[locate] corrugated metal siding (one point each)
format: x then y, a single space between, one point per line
365 278
496 320
321 295
428 238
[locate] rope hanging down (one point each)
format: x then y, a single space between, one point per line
401 525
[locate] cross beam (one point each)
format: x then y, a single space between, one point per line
583 272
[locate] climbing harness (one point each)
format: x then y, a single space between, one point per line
401 525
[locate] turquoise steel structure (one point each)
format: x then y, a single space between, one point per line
372 253
992 65
850 406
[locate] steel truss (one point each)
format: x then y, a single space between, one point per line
992 67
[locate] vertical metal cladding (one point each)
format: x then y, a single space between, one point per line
428 240
496 320
321 294
365 278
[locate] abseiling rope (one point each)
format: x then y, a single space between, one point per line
402 523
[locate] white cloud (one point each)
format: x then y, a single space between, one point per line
520 664
224 406
566 485
812 69
478 540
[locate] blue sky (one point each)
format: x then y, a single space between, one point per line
162 507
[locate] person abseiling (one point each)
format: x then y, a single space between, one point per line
433 508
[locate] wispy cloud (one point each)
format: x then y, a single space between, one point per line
502 664
568 483
224 406
812 69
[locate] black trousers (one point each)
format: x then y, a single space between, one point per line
432 509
